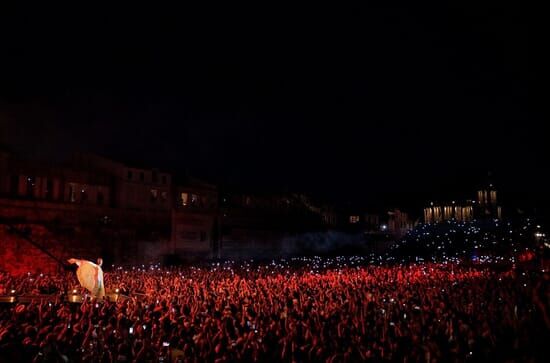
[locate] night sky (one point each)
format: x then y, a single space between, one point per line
370 105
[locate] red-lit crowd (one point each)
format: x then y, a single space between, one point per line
284 312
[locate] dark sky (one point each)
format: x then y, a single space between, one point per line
366 104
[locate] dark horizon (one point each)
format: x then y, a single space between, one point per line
376 106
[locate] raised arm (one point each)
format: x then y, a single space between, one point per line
74 261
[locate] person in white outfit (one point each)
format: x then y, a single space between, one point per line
90 276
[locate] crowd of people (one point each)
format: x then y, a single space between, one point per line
297 310
490 240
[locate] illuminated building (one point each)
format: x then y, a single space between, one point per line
195 224
487 203
484 207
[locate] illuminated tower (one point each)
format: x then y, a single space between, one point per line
487 202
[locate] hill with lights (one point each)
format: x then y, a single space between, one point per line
479 240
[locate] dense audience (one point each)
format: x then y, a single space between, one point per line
485 240
298 310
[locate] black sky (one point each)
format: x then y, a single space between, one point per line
368 104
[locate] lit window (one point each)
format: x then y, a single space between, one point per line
72 193
184 199
154 194
354 219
